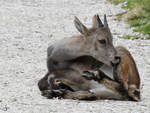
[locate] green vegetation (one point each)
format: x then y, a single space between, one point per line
137 16
117 1
131 37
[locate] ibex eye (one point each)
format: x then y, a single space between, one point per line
102 41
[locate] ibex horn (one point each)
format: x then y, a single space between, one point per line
99 21
105 21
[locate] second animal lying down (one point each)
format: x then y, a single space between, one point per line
72 83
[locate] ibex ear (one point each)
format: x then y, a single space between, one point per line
80 27
105 21
97 22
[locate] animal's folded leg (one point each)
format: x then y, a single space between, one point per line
80 95
53 93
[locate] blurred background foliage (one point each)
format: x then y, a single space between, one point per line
137 15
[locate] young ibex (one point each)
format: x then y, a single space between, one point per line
95 42
70 82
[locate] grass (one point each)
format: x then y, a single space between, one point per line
117 1
131 37
137 16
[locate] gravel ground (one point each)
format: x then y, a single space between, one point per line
28 27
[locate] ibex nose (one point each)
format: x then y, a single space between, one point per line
117 60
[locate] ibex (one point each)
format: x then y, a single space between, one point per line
71 83
79 55
95 42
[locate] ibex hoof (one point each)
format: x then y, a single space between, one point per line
57 82
62 84
53 93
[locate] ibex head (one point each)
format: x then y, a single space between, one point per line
98 40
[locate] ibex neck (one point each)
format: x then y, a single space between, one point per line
79 45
